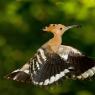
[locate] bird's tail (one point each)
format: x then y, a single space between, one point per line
21 75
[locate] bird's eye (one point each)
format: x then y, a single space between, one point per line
61 28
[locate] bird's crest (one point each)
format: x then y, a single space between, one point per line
53 27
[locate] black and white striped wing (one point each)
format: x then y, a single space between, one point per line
26 72
83 67
43 69
46 68
52 68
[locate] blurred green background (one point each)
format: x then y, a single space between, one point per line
21 23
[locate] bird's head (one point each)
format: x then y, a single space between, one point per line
58 28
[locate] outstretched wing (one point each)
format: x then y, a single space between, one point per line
51 70
46 68
43 69
83 66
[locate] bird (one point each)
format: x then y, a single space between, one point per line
54 62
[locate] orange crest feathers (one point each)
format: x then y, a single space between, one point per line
53 27
49 28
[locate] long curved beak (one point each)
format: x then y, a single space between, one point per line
72 26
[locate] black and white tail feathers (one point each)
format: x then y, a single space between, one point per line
21 75
47 68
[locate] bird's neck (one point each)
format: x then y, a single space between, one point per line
54 43
56 40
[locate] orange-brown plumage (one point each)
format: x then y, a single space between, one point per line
58 30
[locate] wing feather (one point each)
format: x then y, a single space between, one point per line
81 63
46 68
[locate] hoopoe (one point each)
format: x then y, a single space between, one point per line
54 62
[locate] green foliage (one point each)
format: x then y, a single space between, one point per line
21 22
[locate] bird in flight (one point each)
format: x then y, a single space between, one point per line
54 62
